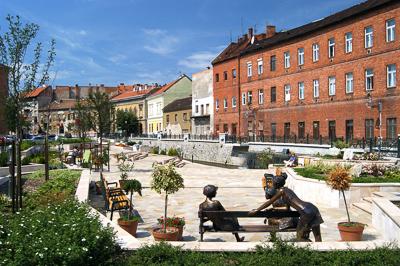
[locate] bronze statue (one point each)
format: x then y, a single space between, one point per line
310 218
219 223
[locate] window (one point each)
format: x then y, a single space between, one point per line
332 130
202 109
225 75
316 88
301 130
225 126
316 130
369 129
249 69
391 75
349 83
250 97
273 131
184 116
243 98
197 109
300 53
331 47
260 96
369 37
260 66
369 79
207 108
391 128
234 73
348 42
287 92
216 104
273 94
332 86
286 130
176 119
225 103
216 77
233 101
273 62
301 90
287 59
390 30
349 130
315 52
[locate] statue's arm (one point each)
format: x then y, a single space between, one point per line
267 203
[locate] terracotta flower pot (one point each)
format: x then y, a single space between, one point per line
351 232
171 234
180 232
129 226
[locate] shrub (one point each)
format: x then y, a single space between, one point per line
173 152
61 234
264 158
3 159
163 152
340 144
26 144
131 143
154 150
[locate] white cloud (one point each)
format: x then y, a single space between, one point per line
118 58
82 32
198 60
160 42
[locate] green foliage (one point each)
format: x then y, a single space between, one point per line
340 144
173 152
82 119
64 233
264 158
71 140
127 121
155 150
3 159
26 144
100 113
131 143
163 152
125 166
166 179
132 185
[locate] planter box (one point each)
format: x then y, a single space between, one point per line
386 218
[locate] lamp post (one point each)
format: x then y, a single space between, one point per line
126 131
11 161
60 150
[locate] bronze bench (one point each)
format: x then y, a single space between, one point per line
272 213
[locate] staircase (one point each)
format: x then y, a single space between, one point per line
366 204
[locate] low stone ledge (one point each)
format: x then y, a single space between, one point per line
386 218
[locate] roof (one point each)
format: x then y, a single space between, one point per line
36 92
168 86
62 105
233 50
179 105
309 28
129 95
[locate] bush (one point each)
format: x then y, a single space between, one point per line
131 143
154 150
173 152
61 234
340 144
26 144
163 152
264 158
3 159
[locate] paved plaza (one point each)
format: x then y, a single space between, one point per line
239 189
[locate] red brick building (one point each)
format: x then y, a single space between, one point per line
328 78
3 97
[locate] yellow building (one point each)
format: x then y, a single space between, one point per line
176 116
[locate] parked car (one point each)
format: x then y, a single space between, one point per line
38 138
52 137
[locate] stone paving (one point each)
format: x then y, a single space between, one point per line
239 189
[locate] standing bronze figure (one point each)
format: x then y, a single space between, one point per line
220 223
310 218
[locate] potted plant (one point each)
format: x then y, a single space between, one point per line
125 166
176 222
166 180
128 221
339 179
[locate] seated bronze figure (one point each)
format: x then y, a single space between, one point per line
310 218
219 222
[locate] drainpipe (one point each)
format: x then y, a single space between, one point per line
238 98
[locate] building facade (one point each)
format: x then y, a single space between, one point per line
331 78
176 116
61 117
177 89
202 103
3 98
37 99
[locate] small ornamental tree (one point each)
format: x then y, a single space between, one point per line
165 179
131 186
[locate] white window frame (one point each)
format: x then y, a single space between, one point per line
315 48
348 40
249 69
301 90
286 56
391 76
260 96
331 44
349 82
243 98
260 66
332 86
368 76
225 103
233 101
369 37
300 56
250 97
287 92
216 104
390 30
316 88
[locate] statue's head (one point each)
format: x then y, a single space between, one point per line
279 181
210 191
270 192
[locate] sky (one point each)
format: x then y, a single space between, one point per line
151 41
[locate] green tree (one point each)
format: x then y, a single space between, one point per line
25 72
127 121
82 119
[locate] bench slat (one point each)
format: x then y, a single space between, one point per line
244 214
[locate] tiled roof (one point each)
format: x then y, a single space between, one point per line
168 86
233 50
309 28
61 105
129 94
36 92
179 105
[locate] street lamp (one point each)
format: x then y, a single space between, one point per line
61 151
126 131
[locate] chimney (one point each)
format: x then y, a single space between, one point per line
270 31
250 33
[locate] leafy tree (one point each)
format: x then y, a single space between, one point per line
127 121
82 119
24 65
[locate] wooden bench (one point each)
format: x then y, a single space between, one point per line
114 196
272 213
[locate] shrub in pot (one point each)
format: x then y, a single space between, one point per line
166 180
128 221
176 222
125 166
339 179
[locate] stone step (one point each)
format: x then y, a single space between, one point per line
364 206
389 195
367 199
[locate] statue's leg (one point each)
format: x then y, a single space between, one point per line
238 239
317 233
302 232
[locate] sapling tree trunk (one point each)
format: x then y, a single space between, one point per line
130 206
345 204
165 213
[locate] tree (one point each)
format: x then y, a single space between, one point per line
127 121
82 119
23 76
101 111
